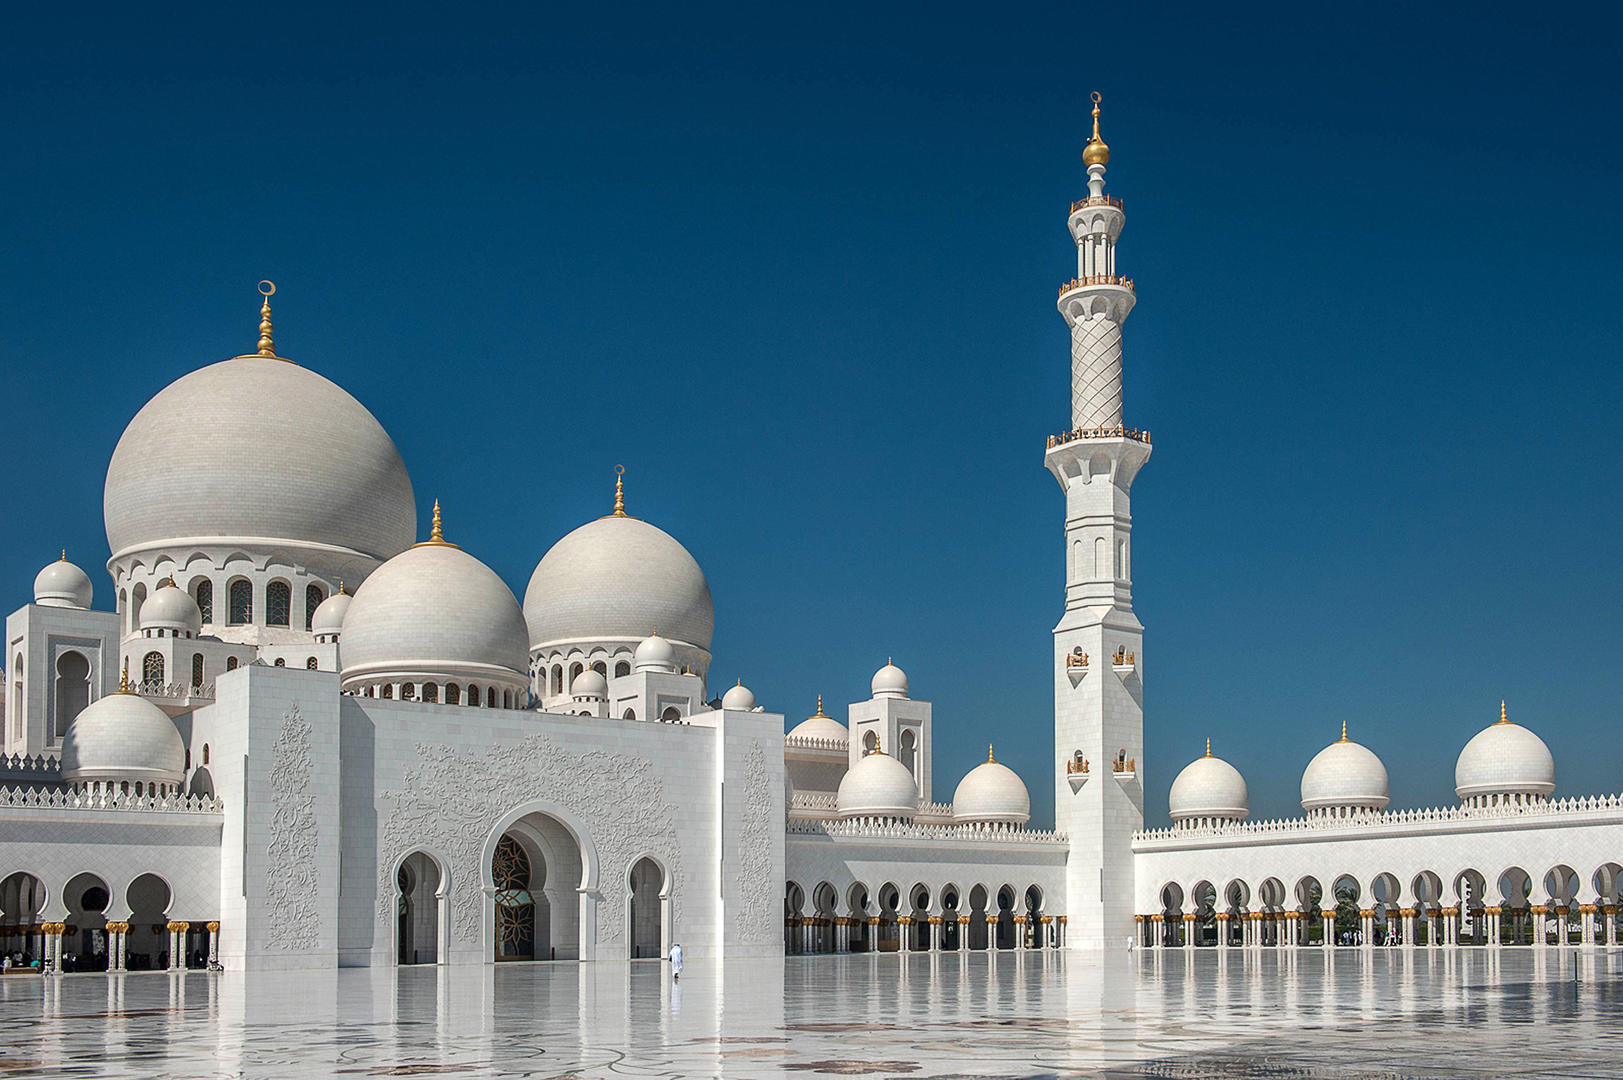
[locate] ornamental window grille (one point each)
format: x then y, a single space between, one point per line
197 669
515 904
313 596
278 604
152 668
231 663
310 664
473 695
203 593
453 695
242 602
622 669
408 692
490 697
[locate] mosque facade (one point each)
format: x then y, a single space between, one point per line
303 738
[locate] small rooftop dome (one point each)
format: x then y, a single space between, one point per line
1209 787
62 584
819 726
889 681
654 654
327 624
123 737
877 786
991 793
1347 775
1504 760
590 684
739 698
171 608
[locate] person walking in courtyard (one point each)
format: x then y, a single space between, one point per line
676 962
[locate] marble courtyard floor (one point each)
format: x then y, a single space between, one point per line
1350 1015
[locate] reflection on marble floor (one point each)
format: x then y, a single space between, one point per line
1348 1015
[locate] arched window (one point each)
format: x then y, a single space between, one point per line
281 661
671 715
870 742
574 672
601 668
557 678
231 663
205 753
408 691
313 596
72 688
152 668
311 664
388 691
490 697
453 694
278 604
907 751
242 602
473 695
431 693
622 669
138 600
631 714
203 593
507 699
197 669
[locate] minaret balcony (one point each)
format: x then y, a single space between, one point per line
1098 200
1110 295
1076 772
1076 666
1099 433
1095 279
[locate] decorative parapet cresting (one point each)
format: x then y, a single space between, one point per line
808 742
1597 806
63 799
39 767
905 830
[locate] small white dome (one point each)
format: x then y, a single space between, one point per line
62 584
434 612
889 681
329 617
877 786
991 793
590 684
1345 774
123 737
819 726
615 579
739 699
1209 787
171 608
654 654
1504 759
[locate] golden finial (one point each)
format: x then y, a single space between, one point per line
340 586
1096 152
124 679
1208 746
267 347
64 554
436 534
1344 732
819 711
1503 719
989 752
878 747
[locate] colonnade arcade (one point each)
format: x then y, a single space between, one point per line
1466 907
943 918
97 928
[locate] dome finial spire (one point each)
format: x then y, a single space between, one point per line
1503 718
1344 732
1208 746
64 554
267 346
1096 152
436 534
124 678
619 491
989 752
819 711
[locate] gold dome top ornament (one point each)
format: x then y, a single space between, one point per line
1096 152
436 535
619 492
267 337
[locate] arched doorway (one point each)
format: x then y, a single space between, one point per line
84 942
536 871
647 909
417 916
72 688
147 945
22 898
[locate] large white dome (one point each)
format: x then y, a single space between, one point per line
821 726
171 608
1504 759
1345 774
877 786
62 584
618 579
991 793
434 612
1209 787
328 621
256 449
123 737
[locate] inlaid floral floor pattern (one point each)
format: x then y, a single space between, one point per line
1380 1015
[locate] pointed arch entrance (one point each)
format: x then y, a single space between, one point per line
539 886
419 910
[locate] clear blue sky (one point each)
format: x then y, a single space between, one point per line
796 269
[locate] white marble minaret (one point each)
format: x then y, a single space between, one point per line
1098 644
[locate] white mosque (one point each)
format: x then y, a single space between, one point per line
301 738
